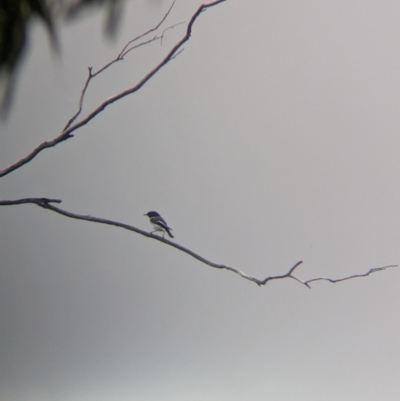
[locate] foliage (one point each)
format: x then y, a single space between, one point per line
15 18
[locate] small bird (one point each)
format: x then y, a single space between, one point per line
158 223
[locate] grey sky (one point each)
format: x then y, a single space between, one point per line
272 138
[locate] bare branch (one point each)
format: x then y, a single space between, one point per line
120 57
334 281
146 33
75 116
37 201
166 29
147 77
44 145
47 203
154 38
127 49
69 128
177 53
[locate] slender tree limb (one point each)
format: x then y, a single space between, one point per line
121 54
334 281
67 133
92 74
78 112
47 203
170 56
167 29
125 50
37 201
146 42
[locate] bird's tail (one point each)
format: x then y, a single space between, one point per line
169 232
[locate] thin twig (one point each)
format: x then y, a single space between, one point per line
153 39
149 31
177 53
120 57
67 133
37 201
166 29
47 203
74 117
123 52
334 281
148 76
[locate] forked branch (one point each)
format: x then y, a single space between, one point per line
131 45
72 126
48 204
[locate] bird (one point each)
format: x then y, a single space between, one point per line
158 223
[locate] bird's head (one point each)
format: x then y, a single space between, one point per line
151 214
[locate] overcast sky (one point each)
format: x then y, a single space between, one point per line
273 138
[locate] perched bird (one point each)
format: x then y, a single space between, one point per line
158 223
